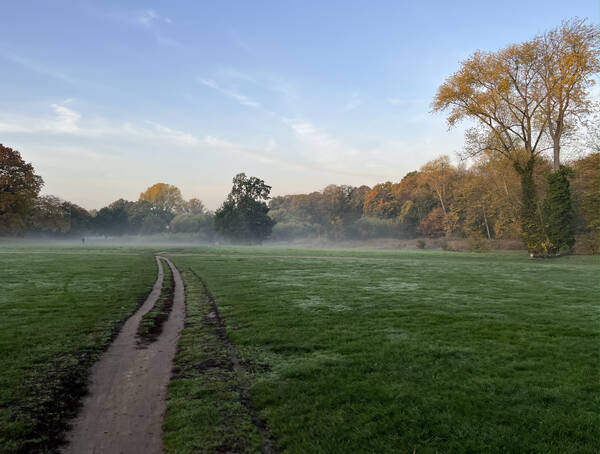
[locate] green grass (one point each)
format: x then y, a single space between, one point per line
59 309
151 324
410 351
204 412
341 350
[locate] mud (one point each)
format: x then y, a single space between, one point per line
124 410
269 444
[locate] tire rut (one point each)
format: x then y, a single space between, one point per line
269 444
124 409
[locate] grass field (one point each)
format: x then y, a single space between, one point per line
335 351
402 351
59 309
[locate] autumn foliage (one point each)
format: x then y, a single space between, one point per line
19 187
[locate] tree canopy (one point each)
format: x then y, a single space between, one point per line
523 99
243 216
19 187
164 197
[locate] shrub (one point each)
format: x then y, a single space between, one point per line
421 244
291 230
193 223
373 227
446 245
478 244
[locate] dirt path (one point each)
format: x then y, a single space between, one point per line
123 412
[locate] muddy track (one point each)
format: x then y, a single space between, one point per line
269 444
123 412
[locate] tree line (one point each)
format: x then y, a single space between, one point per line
160 209
528 103
440 200
482 201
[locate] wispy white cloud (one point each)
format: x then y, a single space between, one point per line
150 17
39 68
240 43
84 153
71 124
312 135
66 119
288 90
331 154
179 138
236 75
254 153
309 148
232 94
152 22
354 102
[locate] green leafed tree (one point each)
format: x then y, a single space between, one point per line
243 216
50 215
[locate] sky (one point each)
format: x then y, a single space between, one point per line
106 98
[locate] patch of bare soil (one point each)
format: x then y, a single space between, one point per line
123 412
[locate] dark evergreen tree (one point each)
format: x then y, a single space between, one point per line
558 213
531 231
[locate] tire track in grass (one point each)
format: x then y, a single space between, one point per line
123 412
269 445
152 322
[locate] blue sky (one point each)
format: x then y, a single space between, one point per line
106 98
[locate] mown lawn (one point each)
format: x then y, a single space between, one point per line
59 308
416 352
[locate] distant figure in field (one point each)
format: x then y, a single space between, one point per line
83 240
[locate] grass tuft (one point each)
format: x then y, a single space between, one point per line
152 322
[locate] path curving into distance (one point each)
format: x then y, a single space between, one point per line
124 409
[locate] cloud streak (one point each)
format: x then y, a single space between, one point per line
354 102
150 17
40 68
238 97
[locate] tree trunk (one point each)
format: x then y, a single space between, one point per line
556 163
440 196
487 227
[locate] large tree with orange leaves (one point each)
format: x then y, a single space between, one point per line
567 65
165 197
521 99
